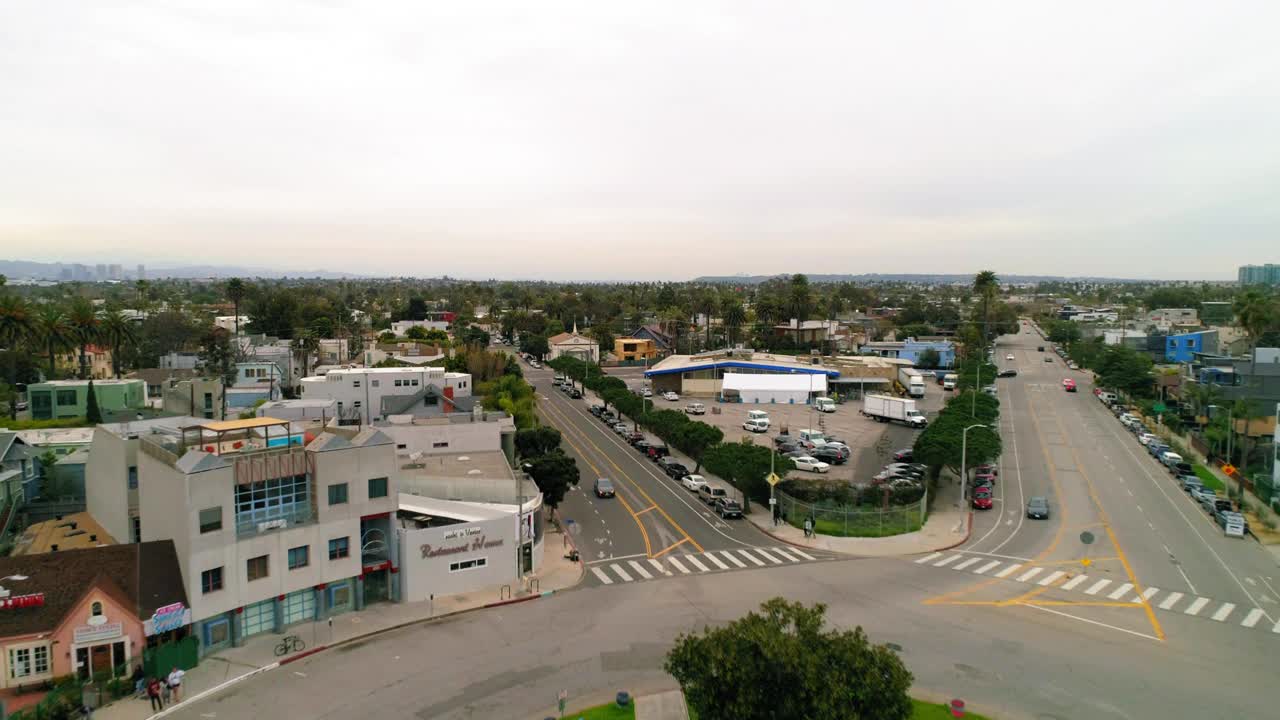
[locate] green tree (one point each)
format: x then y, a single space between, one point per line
304 345
1257 312
784 663
914 330
694 438
92 413
986 286
235 293
554 473
746 466
928 358
218 359
17 327
733 315
535 345
417 332
55 332
86 327
941 444
534 442
1125 369
604 338
1064 332
121 335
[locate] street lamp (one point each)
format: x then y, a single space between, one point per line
964 457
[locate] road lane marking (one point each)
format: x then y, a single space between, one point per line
694 562
927 558
1048 580
982 570
600 574
947 560
659 566
1224 611
1008 571
784 553
617 570
640 570
750 557
1092 622
1149 593
1093 589
728 555
1030 574
768 557
1073 582
1195 607
679 567
1252 618
668 549
715 560
1171 601
1120 591
801 553
967 563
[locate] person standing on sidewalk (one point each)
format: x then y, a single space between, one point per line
153 692
808 527
175 684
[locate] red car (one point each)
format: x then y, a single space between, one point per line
982 500
1069 384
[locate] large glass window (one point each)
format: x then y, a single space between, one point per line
377 487
258 617
299 606
280 499
211 580
28 661
66 397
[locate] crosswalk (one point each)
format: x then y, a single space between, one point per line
1106 589
608 572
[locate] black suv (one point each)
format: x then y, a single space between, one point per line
829 455
673 467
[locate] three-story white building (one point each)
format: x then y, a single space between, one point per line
359 392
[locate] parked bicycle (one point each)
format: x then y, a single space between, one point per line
288 644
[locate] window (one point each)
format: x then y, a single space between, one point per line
444 444
402 446
468 564
377 487
373 383
357 404
355 383
95 609
257 567
398 382
133 477
339 548
28 661
430 400
211 580
285 498
210 520
338 494
414 382
299 557
137 528
66 397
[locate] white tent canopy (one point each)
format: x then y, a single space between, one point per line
767 388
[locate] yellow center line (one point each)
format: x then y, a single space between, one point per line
673 547
641 512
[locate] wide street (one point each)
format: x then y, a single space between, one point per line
1167 618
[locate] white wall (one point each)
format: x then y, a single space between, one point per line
421 576
400 327
369 386
460 437
106 483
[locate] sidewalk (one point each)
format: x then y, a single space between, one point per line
258 653
947 526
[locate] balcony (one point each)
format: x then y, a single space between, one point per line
260 522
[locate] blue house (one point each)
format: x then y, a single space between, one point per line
911 349
1183 348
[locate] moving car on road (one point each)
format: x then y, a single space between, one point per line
1069 385
693 483
604 488
811 464
1038 508
1007 372
1010 357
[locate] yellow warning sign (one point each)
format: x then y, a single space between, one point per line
773 479
1229 469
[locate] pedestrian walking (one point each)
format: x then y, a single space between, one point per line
808 527
139 682
175 683
153 692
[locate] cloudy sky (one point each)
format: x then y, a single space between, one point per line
651 139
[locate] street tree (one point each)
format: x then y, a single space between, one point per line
784 662
235 293
86 327
92 413
1064 332
693 438
17 327
986 286
218 359
538 441
928 358
942 444
554 473
535 345
1125 369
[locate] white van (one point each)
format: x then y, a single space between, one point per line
759 416
824 404
757 426
814 436
1107 398
949 381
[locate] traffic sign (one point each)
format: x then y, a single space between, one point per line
1229 469
773 479
1159 407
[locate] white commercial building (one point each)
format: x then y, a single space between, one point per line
360 392
228 322
320 410
400 327
768 388
270 535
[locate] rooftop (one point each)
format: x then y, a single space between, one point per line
77 530
742 359
83 383
56 436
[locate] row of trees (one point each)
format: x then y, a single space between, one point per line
546 462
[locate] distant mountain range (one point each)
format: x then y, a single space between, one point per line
927 279
21 269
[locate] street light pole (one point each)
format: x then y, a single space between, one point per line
964 458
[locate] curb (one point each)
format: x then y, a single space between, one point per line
967 532
216 688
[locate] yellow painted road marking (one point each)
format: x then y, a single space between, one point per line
669 549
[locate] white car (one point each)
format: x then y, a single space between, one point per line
1010 357
812 464
693 483
670 395
1145 438
646 393
757 426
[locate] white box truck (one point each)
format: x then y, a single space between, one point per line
913 380
824 404
885 408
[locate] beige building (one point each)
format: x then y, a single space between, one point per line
635 349
574 345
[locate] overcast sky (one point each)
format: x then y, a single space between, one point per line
664 140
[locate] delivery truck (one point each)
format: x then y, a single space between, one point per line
885 408
912 380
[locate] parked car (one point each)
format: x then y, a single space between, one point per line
695 409
657 452
757 426
673 467
987 469
1207 498
1189 482
830 455
693 483
604 488
576 394
727 508
1197 493
982 500
1069 385
709 494
986 481
646 392
1146 437
621 428
1007 372
904 455
1010 357
811 464
1073 365
671 395
1038 508
642 446
1048 359
1226 517
1170 459
597 410
634 437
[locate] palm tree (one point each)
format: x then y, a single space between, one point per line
986 285
305 343
235 293
140 291
16 328
119 333
54 332
734 316
87 328
673 320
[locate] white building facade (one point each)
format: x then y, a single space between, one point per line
359 392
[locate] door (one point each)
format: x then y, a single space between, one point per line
375 587
526 558
82 663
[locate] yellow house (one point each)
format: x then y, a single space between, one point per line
635 349
98 359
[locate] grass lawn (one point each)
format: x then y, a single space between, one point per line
608 711
921 710
1208 479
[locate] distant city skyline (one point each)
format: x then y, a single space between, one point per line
574 140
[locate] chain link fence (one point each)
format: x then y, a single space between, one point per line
832 518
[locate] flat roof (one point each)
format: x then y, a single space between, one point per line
96 382
77 530
229 425
483 464
744 361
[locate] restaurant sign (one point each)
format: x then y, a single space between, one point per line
95 633
479 542
169 617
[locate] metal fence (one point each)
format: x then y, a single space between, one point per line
832 518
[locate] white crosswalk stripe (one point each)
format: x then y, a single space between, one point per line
1224 612
1073 582
678 566
1030 574
1148 593
715 560
617 570
1252 618
659 567
982 570
784 552
768 557
804 555
1094 588
1195 607
640 569
946 561
732 558
1008 571
696 563
601 574
1171 601
1120 591
967 563
1048 580
927 558
751 557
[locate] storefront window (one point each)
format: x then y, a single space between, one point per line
299 606
217 632
340 597
28 661
258 617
